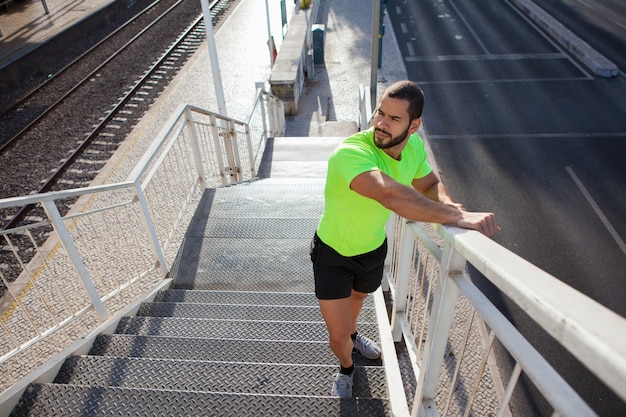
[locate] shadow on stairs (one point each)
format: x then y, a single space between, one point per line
239 332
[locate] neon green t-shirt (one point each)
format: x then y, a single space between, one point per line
351 223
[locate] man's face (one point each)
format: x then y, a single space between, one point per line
392 124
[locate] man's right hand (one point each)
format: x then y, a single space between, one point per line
485 223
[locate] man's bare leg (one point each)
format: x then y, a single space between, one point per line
356 299
339 321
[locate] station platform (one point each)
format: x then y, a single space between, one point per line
25 25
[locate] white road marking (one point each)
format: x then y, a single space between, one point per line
585 4
409 46
596 208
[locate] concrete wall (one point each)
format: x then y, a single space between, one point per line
288 73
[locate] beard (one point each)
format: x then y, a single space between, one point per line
394 140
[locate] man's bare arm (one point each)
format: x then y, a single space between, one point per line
412 204
433 188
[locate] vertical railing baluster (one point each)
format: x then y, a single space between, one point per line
149 224
219 150
232 150
195 146
446 296
72 252
402 280
390 229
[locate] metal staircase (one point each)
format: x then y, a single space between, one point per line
239 332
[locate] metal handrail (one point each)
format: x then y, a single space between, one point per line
429 282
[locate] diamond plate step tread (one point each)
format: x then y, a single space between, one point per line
226 350
242 378
260 200
81 401
323 145
287 185
245 297
231 329
314 152
241 312
265 228
245 265
289 181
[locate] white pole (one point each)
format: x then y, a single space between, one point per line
270 39
215 66
374 63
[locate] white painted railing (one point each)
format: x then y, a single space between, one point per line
450 326
65 273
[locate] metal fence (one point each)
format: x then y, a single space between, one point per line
118 239
451 327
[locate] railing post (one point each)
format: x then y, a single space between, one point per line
72 252
195 146
279 116
390 230
219 150
264 111
147 220
405 261
250 151
232 150
441 317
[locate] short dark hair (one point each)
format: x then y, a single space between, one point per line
411 92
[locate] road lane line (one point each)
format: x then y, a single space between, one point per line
596 208
409 46
585 4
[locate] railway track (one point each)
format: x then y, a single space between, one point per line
60 134
94 101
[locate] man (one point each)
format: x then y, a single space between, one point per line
370 174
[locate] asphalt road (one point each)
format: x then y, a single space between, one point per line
601 23
519 127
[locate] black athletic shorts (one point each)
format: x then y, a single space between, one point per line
337 275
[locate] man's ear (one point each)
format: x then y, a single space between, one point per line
415 124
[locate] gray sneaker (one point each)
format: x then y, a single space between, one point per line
366 347
342 385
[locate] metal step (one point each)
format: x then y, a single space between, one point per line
253 236
301 157
222 377
231 329
241 312
80 401
245 297
226 350
265 199
245 264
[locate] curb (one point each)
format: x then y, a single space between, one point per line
591 58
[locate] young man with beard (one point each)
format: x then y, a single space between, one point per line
371 174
